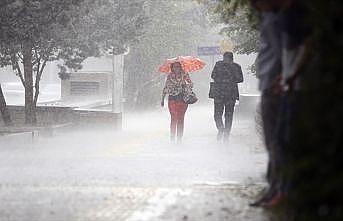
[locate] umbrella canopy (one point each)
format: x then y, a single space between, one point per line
188 63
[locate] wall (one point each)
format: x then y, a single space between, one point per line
103 78
61 115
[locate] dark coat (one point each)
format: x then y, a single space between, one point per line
226 75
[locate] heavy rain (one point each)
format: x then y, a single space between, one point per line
170 110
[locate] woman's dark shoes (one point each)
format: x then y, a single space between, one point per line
179 141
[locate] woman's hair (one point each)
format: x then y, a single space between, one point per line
172 65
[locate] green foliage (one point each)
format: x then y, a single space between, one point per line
240 23
68 30
115 24
313 148
34 32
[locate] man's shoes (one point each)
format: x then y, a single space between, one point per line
226 136
269 202
220 135
260 201
274 201
265 196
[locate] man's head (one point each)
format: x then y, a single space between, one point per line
228 56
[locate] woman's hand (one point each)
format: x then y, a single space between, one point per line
162 103
187 80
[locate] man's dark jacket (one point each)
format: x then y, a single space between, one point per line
226 75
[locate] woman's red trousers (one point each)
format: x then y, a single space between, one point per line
177 111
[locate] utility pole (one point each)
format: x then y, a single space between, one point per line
117 62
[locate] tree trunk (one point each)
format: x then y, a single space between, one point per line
30 114
3 109
37 83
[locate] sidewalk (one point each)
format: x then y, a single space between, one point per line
198 203
135 175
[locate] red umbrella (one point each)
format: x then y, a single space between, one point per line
188 63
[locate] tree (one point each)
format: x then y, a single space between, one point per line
239 21
3 109
36 32
313 146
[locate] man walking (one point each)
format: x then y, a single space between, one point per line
224 90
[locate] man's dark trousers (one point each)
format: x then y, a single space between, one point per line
270 110
221 105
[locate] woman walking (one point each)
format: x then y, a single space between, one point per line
176 84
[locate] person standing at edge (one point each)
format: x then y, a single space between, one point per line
175 86
269 74
271 70
224 90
